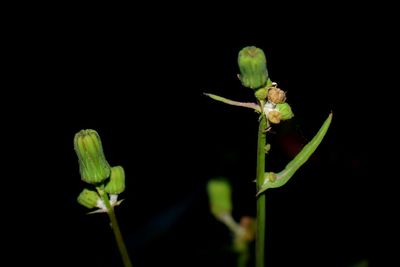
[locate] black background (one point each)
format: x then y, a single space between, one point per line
140 84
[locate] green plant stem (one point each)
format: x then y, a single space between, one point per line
232 225
117 233
243 258
260 230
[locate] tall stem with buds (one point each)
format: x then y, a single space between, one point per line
273 109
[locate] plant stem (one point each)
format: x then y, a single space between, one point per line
117 233
243 258
260 230
235 228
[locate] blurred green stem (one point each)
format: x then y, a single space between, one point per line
239 232
243 258
260 230
117 233
231 224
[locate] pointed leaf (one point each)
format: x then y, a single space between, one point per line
282 177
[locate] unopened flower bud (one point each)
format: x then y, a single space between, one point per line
253 67
271 176
246 234
116 185
285 110
92 163
249 225
88 198
276 95
261 94
274 116
219 194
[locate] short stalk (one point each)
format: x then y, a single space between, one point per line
117 232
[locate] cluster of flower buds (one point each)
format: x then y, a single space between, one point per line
95 170
254 74
275 108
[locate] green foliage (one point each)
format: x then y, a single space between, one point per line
291 168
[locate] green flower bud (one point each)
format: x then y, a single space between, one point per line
267 148
116 185
88 198
219 194
271 176
261 94
92 164
285 110
253 67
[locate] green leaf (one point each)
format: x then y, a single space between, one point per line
234 103
282 177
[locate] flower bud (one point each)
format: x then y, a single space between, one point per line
249 225
253 67
285 110
88 198
267 148
246 235
271 176
274 116
92 164
219 194
116 185
276 95
261 94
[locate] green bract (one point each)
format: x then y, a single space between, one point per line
253 67
88 198
92 163
116 185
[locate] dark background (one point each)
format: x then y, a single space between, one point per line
140 84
